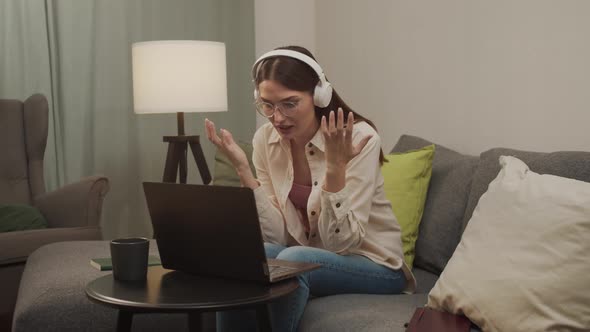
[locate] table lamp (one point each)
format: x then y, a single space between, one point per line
178 76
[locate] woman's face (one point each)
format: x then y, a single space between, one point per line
302 124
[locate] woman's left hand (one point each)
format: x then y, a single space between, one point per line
338 140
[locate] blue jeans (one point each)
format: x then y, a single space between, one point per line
338 275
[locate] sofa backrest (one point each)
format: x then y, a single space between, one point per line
569 164
441 225
458 182
23 136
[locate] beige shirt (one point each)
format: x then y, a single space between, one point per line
356 220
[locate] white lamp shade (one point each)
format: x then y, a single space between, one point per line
172 76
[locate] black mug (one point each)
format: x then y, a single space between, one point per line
130 258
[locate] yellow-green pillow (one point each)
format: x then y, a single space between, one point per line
407 176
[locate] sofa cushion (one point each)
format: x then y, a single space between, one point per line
440 228
522 263
425 280
360 312
406 176
52 298
569 164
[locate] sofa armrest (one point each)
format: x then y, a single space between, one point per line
74 205
15 247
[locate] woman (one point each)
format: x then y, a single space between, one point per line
319 188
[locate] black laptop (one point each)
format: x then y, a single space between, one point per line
213 231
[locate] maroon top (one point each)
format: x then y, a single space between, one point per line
299 195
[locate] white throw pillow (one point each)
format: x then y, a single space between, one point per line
523 263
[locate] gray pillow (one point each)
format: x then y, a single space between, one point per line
441 225
569 164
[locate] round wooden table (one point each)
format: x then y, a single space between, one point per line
175 291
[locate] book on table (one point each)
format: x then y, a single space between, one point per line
106 264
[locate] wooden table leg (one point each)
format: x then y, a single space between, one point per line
124 320
195 322
263 318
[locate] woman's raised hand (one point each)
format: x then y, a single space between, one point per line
338 140
227 145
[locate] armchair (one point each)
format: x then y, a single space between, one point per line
72 212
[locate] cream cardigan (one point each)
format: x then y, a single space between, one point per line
356 220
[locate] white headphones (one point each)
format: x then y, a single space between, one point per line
323 90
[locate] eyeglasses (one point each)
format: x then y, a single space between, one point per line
287 108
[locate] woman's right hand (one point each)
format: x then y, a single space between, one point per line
227 145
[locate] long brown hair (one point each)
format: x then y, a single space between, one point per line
297 75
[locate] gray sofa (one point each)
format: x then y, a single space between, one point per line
72 211
51 293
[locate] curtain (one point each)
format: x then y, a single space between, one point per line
82 61
25 68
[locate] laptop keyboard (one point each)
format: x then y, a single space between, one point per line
278 269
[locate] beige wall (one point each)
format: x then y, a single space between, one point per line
282 23
468 74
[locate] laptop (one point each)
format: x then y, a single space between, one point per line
213 231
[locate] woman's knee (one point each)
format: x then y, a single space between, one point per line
272 250
300 254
